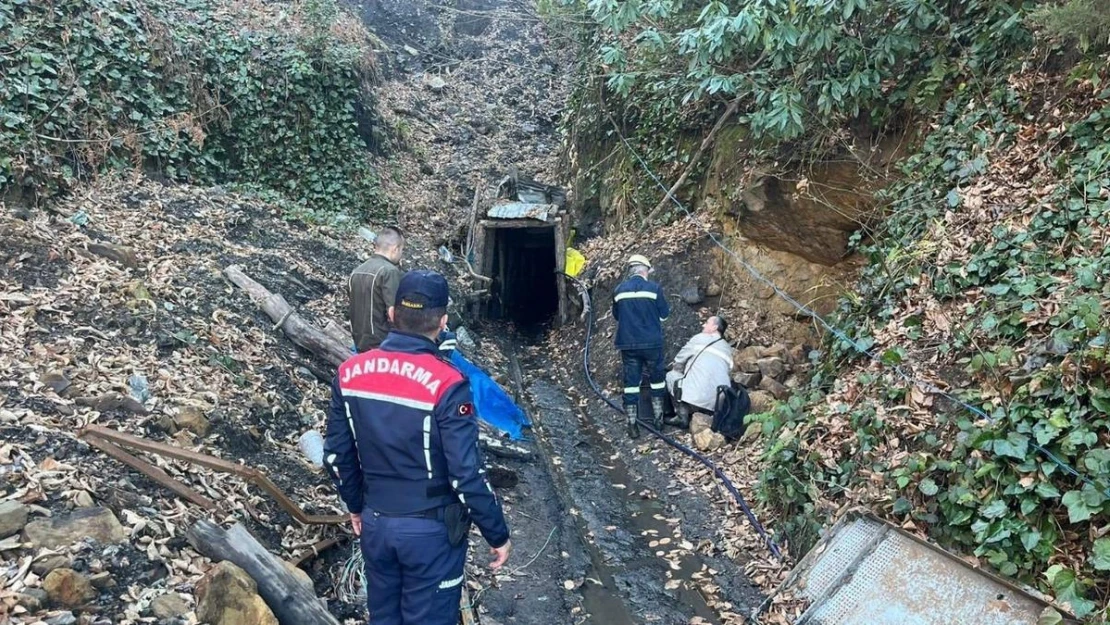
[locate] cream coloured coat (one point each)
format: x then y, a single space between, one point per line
704 370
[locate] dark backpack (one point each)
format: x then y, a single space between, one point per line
733 405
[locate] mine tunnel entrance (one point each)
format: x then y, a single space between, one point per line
517 243
524 260
524 288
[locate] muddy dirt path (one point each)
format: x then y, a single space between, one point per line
603 533
650 535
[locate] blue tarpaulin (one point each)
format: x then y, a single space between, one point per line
491 402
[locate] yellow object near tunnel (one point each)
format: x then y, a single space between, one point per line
576 262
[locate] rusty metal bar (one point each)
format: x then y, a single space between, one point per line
249 474
153 472
315 550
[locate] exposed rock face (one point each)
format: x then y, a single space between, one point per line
100 524
813 222
228 596
809 213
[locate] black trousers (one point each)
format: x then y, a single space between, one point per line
638 363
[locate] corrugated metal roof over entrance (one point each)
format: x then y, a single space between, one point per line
522 210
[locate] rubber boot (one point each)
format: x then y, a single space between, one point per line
633 412
657 410
681 418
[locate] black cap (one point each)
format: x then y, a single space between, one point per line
421 289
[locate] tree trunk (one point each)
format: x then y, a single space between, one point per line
291 601
296 328
732 106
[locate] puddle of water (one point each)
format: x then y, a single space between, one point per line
648 523
643 518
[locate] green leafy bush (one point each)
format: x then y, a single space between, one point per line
990 275
192 90
1083 23
802 70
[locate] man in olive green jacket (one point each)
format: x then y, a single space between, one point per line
373 287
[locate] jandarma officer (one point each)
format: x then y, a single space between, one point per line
402 448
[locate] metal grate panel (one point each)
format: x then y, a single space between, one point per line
842 550
872 573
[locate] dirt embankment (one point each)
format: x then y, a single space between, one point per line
114 312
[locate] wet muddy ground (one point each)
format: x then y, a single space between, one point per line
631 542
650 536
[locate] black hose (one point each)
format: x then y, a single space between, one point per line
667 439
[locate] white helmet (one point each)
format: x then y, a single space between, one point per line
637 259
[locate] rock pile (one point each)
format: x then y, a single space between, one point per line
770 373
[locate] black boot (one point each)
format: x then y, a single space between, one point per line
633 413
657 412
681 418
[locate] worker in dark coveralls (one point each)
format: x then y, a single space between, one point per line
640 309
373 287
402 448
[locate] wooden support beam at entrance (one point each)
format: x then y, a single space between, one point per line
561 266
515 223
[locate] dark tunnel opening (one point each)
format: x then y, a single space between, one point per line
524 285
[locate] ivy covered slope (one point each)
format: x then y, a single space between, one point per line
987 276
204 91
804 74
988 279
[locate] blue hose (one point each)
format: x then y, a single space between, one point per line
729 486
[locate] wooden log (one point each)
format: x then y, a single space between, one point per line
289 599
466 609
295 326
338 332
